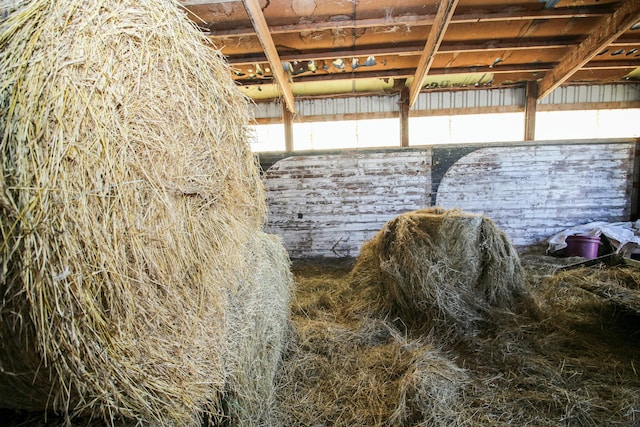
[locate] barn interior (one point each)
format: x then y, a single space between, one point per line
431 217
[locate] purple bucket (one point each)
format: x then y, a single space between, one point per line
583 246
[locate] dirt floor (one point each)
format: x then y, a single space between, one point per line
575 362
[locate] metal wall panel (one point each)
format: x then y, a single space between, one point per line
593 94
267 110
470 99
349 105
447 100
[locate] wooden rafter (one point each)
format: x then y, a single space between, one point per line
609 28
436 34
262 31
403 73
455 47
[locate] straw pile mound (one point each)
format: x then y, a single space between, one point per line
619 285
129 206
441 270
357 371
346 367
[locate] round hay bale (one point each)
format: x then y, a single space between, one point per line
128 200
259 324
441 269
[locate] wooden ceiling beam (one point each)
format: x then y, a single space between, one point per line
452 47
327 55
624 66
422 20
441 21
608 29
262 30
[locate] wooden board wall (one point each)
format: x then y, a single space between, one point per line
535 191
327 205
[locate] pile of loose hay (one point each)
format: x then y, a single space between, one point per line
129 209
443 271
347 370
619 284
575 363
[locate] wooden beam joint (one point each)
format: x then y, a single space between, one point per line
262 30
605 32
436 35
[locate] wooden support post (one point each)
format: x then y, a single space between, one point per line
287 121
404 117
530 107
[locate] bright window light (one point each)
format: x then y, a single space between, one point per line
346 134
466 128
267 138
432 130
588 124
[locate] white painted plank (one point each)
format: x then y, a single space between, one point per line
532 192
323 204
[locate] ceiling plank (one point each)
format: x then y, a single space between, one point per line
262 30
436 34
608 29
423 20
617 70
453 47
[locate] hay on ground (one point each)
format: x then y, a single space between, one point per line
442 270
128 202
350 367
364 374
619 285
431 391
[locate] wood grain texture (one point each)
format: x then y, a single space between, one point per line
328 205
533 192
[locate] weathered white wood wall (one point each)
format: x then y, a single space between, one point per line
328 205
535 191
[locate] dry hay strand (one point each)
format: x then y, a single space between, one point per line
364 374
346 370
259 327
619 285
556 368
442 270
127 200
430 392
572 365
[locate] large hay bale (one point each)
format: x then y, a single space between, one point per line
128 201
443 270
258 329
